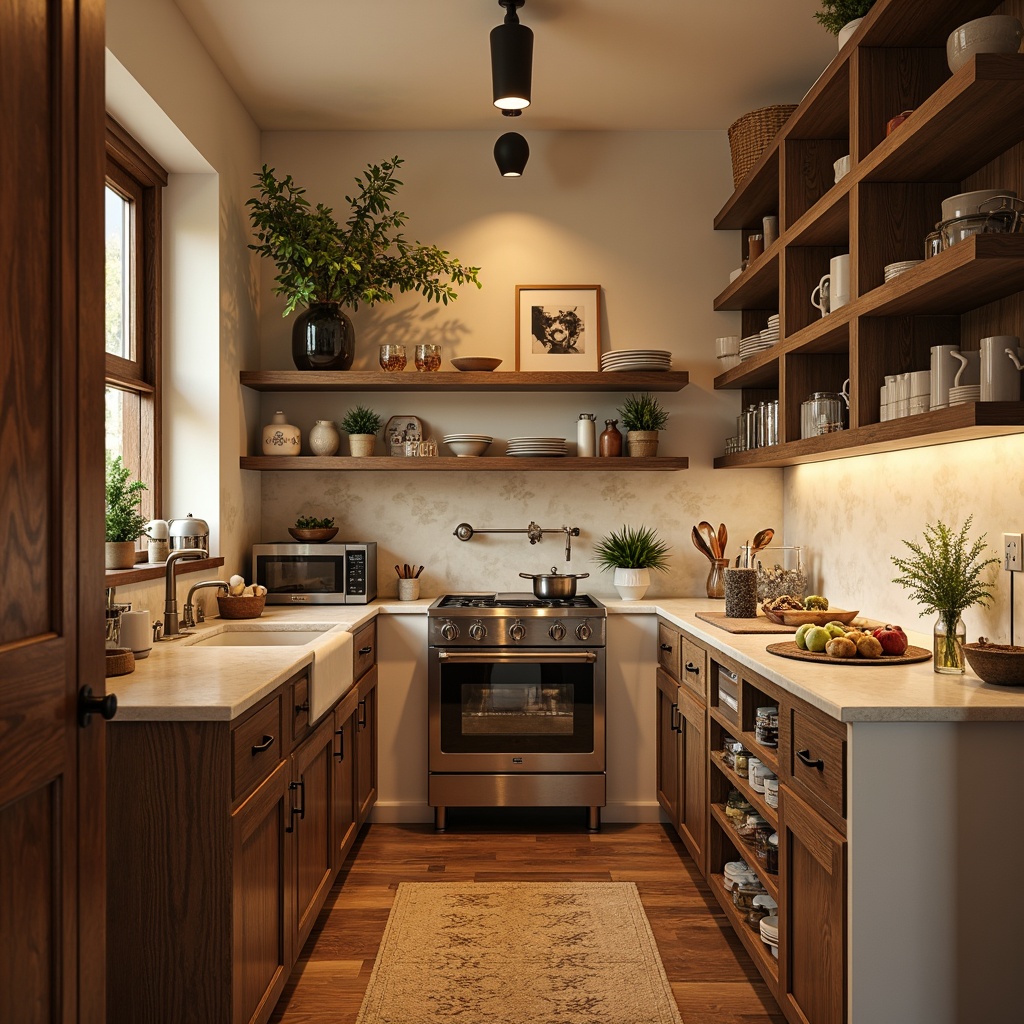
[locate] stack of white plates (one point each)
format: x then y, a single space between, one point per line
754 343
534 447
895 269
965 393
635 360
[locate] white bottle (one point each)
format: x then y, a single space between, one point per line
586 435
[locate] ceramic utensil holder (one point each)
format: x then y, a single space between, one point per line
408 590
741 593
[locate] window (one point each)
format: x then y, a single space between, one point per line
133 302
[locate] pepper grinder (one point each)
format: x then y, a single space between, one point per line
611 440
586 435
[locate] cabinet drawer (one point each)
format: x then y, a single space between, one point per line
299 706
256 747
669 646
695 668
817 761
364 650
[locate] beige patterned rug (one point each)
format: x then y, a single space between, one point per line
518 953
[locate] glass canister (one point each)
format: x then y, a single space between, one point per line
821 413
779 570
741 760
766 727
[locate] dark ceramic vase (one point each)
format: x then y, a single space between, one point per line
323 338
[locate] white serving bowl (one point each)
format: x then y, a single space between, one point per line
468 449
968 204
998 33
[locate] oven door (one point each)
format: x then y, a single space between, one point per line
517 711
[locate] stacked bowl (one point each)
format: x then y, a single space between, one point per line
466 446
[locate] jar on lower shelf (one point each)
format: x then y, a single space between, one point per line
766 726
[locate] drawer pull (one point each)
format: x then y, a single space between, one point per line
674 726
362 715
340 753
258 748
666 647
690 667
304 706
365 650
301 809
805 757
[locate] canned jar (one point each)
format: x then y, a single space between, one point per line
766 726
771 791
772 861
759 775
741 761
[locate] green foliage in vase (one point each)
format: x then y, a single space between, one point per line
834 14
632 548
361 420
364 260
124 518
312 523
643 412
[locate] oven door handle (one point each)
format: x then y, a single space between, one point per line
507 657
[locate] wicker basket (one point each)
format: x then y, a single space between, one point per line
241 607
750 136
642 444
120 661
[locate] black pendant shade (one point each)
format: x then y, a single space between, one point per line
510 154
511 61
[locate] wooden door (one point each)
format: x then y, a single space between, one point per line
52 875
345 719
366 744
668 747
693 759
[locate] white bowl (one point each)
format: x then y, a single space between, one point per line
968 204
998 33
468 449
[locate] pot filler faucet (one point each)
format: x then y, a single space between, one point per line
464 532
171 625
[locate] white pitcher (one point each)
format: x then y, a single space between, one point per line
943 367
1000 382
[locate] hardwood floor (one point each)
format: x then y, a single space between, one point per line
711 975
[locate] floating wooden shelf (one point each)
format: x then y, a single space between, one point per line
143 572
483 464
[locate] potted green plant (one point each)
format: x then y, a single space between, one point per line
325 266
643 417
944 575
313 529
841 17
361 425
632 552
124 521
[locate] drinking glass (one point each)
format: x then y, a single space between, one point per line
428 357
392 358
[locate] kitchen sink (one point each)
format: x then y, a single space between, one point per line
236 637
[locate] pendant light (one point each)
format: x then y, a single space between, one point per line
511 152
511 61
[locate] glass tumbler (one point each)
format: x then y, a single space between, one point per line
428 357
392 358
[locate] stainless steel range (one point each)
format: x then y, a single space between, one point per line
516 703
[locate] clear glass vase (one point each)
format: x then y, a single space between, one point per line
948 637
716 578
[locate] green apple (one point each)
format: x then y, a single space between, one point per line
816 638
801 635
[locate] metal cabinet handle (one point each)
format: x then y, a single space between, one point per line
365 650
805 757
690 667
676 727
258 748
666 647
301 809
362 715
340 753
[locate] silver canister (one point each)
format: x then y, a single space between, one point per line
188 533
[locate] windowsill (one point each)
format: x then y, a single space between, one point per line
145 571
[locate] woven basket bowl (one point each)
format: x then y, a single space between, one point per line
241 607
120 661
997 663
750 136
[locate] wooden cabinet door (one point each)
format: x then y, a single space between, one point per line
366 744
693 800
812 915
262 899
345 718
52 803
312 812
668 746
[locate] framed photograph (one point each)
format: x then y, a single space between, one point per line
558 327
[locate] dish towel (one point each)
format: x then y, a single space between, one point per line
330 675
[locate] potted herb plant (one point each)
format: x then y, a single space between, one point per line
125 522
944 575
324 265
361 425
643 417
632 552
841 17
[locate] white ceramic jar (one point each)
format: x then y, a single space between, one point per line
280 437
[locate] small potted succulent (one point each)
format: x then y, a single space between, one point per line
361 425
643 417
632 552
125 522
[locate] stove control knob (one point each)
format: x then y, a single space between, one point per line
557 631
583 631
517 630
449 630
478 630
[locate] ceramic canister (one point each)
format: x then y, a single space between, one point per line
280 437
136 632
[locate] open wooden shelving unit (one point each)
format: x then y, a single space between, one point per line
481 464
959 138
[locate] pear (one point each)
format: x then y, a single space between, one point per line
841 647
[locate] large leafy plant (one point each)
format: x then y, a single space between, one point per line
364 260
124 518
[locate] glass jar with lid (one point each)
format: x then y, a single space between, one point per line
766 726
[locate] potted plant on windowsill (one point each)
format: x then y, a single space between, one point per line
643 417
125 522
361 425
632 553
325 266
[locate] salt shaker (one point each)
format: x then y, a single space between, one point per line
586 435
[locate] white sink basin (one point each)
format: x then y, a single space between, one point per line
259 638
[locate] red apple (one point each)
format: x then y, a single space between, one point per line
892 638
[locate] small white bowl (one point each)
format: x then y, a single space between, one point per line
998 33
968 204
468 449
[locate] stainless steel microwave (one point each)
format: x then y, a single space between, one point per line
316 573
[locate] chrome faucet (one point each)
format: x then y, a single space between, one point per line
188 613
171 624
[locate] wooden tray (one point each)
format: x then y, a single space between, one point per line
734 625
790 650
798 618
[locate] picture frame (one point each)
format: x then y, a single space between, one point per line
558 327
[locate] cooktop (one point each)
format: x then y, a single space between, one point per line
449 602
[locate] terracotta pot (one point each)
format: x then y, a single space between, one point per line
362 444
642 443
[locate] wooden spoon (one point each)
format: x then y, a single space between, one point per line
709 535
762 539
723 539
701 544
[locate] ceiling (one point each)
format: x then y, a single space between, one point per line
614 65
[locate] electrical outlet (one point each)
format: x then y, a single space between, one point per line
1013 557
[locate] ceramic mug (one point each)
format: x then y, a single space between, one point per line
1001 362
839 276
943 368
920 383
821 290
919 404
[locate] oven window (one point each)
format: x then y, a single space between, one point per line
520 708
301 574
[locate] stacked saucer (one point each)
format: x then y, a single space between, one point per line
771 332
636 359
753 344
893 270
965 393
536 447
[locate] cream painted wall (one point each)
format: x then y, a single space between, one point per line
629 211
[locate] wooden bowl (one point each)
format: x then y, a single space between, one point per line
796 617
120 661
313 536
478 363
1000 664
241 607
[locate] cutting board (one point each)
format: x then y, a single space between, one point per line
731 625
